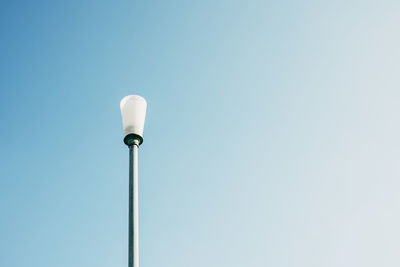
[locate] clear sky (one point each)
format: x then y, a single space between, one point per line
272 132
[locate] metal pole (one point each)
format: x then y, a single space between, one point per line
133 206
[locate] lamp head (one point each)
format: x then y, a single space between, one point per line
133 112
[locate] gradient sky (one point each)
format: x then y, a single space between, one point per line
272 132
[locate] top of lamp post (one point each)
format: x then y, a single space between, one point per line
133 112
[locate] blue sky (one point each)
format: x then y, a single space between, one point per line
272 132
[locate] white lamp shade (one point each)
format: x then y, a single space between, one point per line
133 112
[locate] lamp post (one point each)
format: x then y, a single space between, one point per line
133 111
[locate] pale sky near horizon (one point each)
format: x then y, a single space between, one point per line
271 137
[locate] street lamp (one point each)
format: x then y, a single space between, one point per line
133 111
